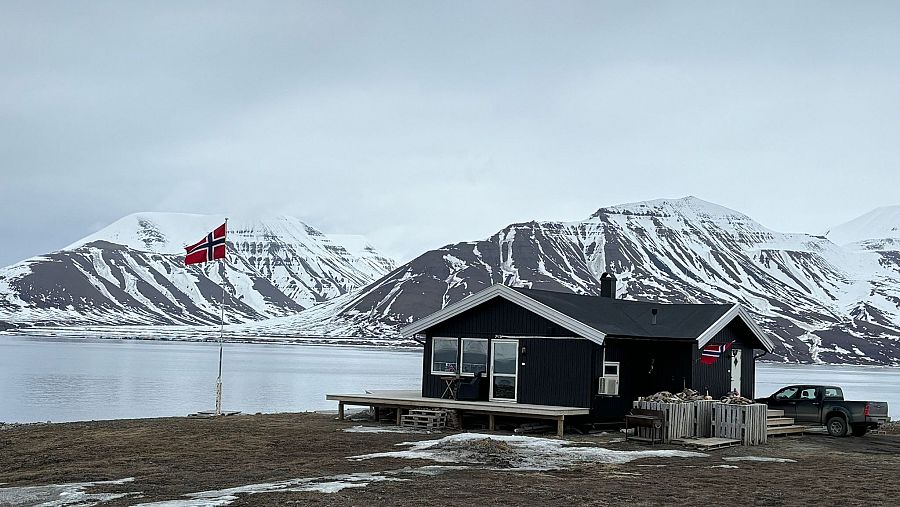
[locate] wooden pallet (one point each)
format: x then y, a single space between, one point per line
707 444
677 422
424 419
744 422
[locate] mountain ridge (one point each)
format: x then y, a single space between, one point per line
822 301
132 272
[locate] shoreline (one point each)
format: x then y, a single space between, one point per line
325 341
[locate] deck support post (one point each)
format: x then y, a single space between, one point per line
377 414
399 413
341 410
491 422
560 425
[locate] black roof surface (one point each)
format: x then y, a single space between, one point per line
632 319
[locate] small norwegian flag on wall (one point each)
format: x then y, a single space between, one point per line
711 353
210 248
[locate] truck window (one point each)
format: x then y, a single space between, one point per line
788 393
808 394
833 393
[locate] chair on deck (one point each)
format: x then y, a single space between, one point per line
471 390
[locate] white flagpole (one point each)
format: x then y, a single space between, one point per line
222 326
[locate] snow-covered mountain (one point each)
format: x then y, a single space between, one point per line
823 301
132 272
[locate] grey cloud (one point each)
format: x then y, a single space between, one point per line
419 124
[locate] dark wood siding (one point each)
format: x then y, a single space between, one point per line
645 367
497 316
555 372
716 378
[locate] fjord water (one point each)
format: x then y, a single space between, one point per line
57 379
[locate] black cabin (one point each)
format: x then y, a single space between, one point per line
552 348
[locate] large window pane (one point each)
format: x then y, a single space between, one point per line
474 355
505 388
444 353
505 357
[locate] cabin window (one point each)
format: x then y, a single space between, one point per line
610 369
833 393
444 355
474 356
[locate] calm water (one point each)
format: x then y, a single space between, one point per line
72 380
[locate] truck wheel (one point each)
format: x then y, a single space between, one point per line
837 426
859 431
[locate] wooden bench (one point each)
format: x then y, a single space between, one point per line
643 418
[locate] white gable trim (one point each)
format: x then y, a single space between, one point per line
736 311
514 296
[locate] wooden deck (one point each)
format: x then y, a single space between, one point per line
407 400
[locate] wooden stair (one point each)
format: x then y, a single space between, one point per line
778 424
424 419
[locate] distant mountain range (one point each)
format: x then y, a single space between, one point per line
132 272
832 298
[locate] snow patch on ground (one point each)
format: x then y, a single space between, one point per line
60 495
518 452
759 458
328 484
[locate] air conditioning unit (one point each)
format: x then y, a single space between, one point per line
609 386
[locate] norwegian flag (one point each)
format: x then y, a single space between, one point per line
711 353
210 248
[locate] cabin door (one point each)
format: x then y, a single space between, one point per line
504 370
736 370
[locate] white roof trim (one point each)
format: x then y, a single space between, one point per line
512 295
736 311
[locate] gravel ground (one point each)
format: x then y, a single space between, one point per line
172 457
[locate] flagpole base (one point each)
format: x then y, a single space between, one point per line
219 397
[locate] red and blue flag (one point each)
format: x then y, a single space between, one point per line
711 353
210 248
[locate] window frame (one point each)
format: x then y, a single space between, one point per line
462 352
514 376
618 366
444 372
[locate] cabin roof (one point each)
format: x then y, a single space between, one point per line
632 319
596 318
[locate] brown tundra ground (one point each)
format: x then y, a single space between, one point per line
172 457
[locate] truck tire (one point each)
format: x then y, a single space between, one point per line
859 431
837 426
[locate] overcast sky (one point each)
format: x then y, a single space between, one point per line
424 123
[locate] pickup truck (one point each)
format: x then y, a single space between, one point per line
826 405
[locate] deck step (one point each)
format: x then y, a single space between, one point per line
775 413
785 430
779 421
